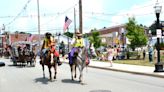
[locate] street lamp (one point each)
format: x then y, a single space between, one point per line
158 65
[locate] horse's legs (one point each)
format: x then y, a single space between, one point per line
75 72
34 60
81 73
43 70
55 68
71 66
81 76
49 68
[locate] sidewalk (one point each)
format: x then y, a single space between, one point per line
134 69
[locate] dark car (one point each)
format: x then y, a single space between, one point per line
2 64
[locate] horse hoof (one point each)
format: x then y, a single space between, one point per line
50 79
82 83
54 77
75 76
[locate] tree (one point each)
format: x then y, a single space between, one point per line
135 34
153 28
95 39
69 34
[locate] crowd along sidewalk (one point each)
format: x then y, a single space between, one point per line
134 69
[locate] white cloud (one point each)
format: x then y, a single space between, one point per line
21 23
145 10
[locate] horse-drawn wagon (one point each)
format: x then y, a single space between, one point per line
22 52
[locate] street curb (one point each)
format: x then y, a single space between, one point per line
119 70
132 72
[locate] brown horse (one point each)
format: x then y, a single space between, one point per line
21 57
29 56
50 61
79 60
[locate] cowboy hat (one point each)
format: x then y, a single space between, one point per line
78 33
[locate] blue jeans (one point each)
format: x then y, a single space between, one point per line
71 55
44 52
150 57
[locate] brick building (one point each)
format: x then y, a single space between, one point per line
114 35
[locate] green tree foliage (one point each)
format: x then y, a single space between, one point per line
153 28
95 39
69 34
135 34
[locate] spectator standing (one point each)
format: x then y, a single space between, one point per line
150 49
110 52
62 49
155 55
144 54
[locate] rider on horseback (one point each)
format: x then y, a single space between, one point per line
48 44
77 43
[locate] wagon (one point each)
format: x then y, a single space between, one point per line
22 52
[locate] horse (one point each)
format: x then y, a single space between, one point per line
51 61
29 56
21 57
79 60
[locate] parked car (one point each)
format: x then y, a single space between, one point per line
2 64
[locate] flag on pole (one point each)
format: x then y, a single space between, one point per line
66 23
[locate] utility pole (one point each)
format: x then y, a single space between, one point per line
80 15
74 19
39 23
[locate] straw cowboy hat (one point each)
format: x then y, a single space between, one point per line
78 33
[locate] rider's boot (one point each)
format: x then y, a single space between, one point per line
58 61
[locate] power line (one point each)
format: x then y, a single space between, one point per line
58 15
24 8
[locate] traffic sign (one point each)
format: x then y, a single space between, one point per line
158 33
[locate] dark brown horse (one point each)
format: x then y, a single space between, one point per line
50 61
21 57
29 56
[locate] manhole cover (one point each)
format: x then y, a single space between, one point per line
100 91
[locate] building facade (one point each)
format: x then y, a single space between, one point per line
114 36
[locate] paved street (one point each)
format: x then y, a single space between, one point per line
29 79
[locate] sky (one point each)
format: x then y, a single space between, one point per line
21 15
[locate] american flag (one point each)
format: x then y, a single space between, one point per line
67 23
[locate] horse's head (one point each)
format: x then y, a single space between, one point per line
50 55
79 52
49 52
82 53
